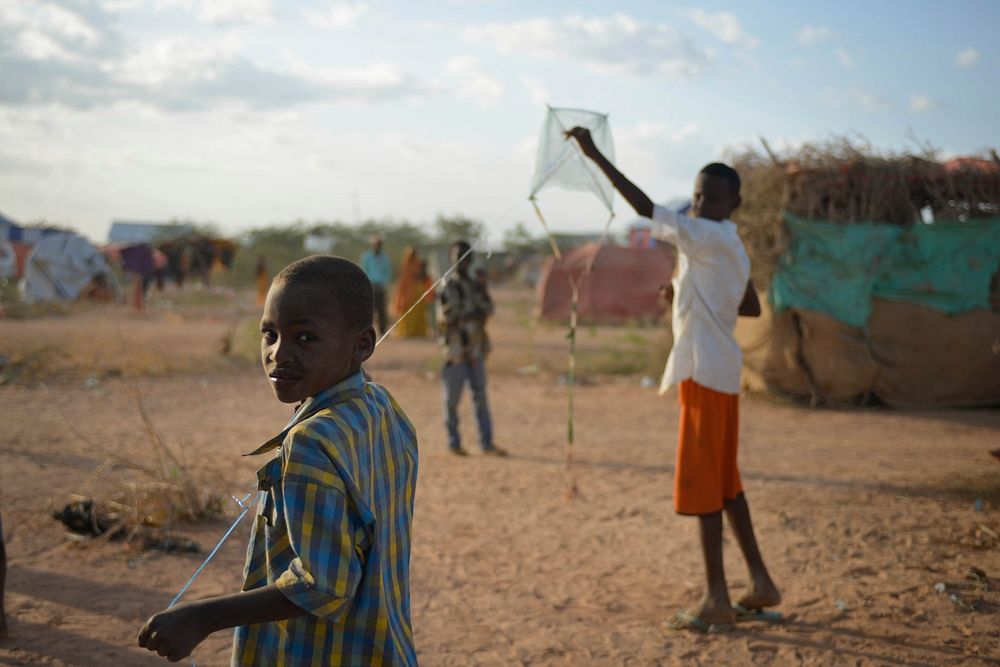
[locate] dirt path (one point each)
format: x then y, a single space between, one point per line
859 514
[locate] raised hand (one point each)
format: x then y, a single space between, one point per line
582 136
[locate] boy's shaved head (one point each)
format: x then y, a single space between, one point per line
350 287
725 172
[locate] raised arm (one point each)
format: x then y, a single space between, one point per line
642 204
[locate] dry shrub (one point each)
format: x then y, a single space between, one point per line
845 181
169 492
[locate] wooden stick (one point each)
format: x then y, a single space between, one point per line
770 153
571 488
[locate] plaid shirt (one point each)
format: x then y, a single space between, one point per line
464 306
333 532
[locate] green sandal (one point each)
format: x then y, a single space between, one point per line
683 620
766 615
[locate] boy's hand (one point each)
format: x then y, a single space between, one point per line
582 136
174 633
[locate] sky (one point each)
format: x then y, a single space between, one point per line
246 113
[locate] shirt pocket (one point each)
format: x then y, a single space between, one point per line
269 481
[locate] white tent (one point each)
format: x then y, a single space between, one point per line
60 267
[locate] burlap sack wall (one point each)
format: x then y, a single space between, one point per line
770 345
929 359
914 356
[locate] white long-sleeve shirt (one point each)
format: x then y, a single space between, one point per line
713 270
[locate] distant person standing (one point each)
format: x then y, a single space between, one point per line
411 317
464 308
376 265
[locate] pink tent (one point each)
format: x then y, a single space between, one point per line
624 284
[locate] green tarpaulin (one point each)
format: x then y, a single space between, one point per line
838 269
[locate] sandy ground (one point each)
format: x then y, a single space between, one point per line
859 513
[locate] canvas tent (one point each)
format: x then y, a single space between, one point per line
60 267
624 283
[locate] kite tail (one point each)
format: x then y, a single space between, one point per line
571 488
575 284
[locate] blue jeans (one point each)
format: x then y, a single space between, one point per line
454 376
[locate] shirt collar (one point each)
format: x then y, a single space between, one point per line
349 388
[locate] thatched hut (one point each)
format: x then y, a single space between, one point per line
882 273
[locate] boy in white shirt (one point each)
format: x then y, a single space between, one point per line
712 287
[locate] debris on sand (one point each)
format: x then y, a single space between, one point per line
83 517
168 544
968 595
87 520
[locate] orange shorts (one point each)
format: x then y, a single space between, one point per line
706 474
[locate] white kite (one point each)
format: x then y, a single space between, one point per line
561 162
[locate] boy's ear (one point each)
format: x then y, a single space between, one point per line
737 201
364 344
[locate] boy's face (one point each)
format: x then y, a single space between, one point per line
713 198
306 344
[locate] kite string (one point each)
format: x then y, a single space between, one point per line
429 290
245 508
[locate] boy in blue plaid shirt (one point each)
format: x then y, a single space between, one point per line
327 571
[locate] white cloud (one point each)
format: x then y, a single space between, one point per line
45 30
811 35
865 98
967 58
37 45
235 12
649 130
724 26
213 12
176 61
81 60
615 43
336 15
375 82
683 133
537 90
873 101
477 84
922 104
846 58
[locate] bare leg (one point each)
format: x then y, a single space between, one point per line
762 592
714 607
